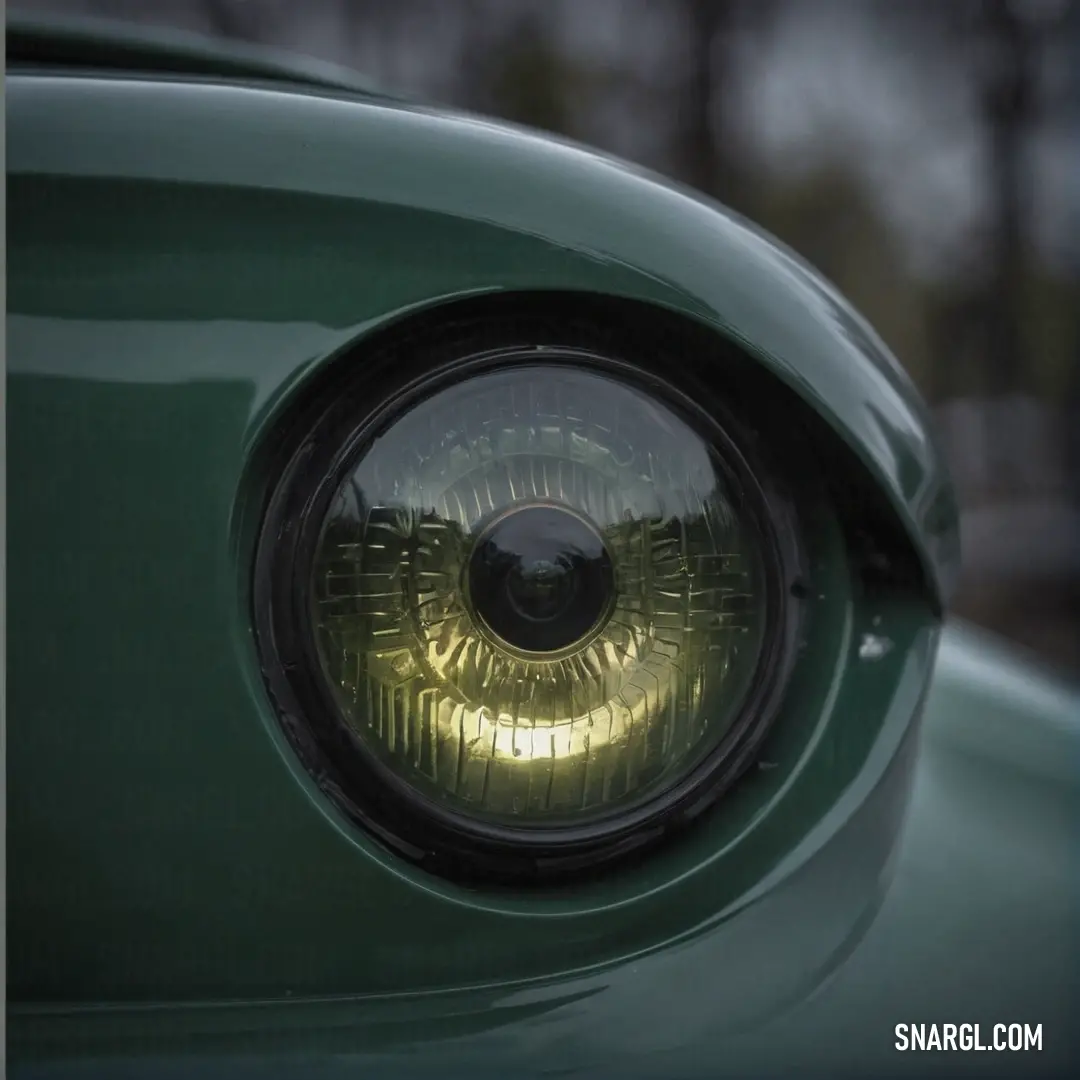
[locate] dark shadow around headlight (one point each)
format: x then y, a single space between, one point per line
540 600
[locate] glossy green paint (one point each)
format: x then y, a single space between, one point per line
183 255
299 198
102 45
979 924
154 779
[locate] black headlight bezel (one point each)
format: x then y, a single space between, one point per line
321 445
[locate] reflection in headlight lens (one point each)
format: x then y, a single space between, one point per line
540 579
536 599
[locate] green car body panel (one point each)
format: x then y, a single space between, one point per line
187 251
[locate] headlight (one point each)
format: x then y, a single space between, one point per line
538 601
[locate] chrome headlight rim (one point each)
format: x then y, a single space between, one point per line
324 448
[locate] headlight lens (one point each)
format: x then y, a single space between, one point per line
536 597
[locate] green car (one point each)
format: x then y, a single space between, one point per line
477 608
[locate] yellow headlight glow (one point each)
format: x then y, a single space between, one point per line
535 597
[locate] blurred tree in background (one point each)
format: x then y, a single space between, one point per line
923 153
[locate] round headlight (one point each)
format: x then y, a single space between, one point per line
538 603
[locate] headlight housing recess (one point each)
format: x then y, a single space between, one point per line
524 613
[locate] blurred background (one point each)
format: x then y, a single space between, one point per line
925 154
